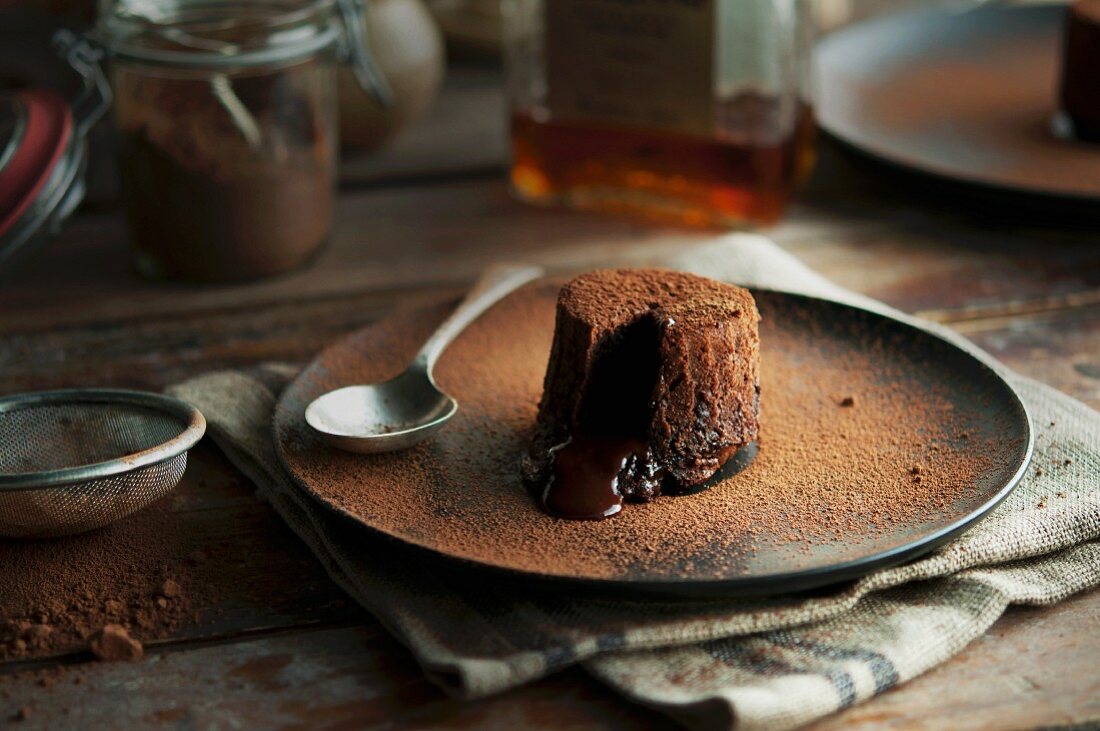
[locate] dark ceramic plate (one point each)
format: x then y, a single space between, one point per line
969 98
830 494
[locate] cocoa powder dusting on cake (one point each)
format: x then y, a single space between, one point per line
609 295
654 375
826 482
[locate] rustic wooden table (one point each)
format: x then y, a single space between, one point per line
276 644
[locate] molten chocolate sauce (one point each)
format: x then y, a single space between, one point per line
590 475
584 484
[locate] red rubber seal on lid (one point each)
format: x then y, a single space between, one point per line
49 128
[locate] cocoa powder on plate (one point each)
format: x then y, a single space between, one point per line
847 412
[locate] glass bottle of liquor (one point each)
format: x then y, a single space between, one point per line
688 110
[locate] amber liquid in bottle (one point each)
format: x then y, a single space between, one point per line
735 178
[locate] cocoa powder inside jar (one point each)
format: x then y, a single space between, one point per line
226 177
847 411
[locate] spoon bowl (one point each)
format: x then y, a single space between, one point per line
405 410
382 417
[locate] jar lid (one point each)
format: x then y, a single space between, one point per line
212 34
36 128
42 155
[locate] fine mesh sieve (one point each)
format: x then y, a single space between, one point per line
78 459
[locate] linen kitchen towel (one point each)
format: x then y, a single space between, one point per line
766 663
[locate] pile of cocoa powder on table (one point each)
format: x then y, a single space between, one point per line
57 596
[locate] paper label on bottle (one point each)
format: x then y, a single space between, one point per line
640 63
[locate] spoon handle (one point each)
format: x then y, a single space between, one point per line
492 286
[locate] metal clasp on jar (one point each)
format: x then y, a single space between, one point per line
356 52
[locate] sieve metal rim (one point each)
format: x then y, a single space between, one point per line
193 422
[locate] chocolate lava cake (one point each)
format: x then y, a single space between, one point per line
653 383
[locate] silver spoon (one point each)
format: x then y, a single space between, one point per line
405 410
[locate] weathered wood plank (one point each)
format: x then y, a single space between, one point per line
945 271
384 240
337 678
158 350
1034 668
441 235
360 677
1060 348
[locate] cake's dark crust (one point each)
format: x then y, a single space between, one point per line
662 356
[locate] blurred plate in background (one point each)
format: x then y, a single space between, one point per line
968 97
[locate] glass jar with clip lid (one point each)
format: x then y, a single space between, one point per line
226 117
